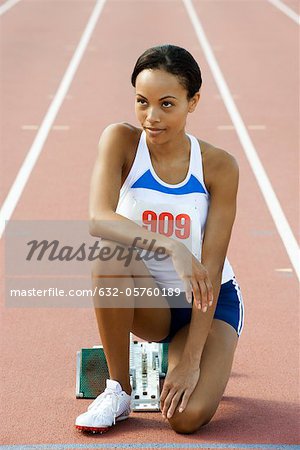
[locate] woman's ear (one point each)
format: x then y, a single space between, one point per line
193 102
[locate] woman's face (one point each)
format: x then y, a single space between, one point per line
162 105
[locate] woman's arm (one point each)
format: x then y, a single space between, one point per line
222 182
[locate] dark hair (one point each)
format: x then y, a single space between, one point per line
172 59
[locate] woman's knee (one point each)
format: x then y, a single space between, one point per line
190 420
113 259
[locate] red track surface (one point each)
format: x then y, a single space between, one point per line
256 47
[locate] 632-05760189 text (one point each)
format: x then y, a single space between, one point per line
114 292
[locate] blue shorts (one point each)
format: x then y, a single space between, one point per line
230 309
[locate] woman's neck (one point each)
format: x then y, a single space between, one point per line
179 147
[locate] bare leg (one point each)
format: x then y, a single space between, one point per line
114 326
215 368
115 323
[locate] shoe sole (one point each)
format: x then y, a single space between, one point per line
99 430
92 429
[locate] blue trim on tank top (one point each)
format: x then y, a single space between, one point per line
147 181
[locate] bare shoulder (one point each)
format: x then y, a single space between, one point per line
218 165
117 146
123 134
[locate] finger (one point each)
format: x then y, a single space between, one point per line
204 296
197 294
184 401
167 403
166 406
188 290
163 395
210 291
174 404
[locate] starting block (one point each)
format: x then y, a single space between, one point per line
147 368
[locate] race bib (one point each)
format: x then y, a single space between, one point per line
177 221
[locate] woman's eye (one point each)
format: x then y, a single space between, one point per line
141 101
167 104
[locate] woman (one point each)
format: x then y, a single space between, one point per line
158 189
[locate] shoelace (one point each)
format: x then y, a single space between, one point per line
108 393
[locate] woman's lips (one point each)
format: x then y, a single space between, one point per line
155 131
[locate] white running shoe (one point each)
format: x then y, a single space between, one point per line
110 407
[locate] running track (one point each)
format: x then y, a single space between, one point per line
255 46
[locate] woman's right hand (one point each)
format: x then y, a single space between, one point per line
194 275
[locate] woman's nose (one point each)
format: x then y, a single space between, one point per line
153 115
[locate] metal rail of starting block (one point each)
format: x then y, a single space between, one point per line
148 365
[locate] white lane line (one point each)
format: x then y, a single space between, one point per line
41 136
29 127
67 97
262 179
286 10
55 127
6 6
225 127
284 270
234 96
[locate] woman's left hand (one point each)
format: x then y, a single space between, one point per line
178 385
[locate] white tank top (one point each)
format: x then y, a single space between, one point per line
178 210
